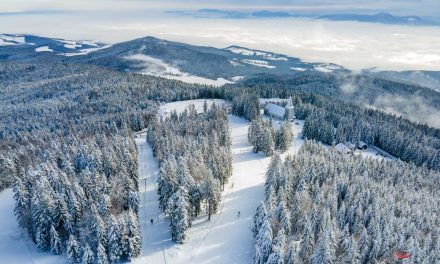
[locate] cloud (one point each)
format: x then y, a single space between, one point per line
415 108
350 44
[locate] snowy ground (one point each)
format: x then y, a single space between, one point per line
156 67
181 105
15 245
226 238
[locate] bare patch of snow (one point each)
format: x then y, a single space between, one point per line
84 51
297 69
258 63
249 52
157 67
237 78
43 49
327 68
234 63
11 40
15 244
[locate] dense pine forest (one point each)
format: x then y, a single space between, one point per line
67 149
263 137
332 121
325 207
194 151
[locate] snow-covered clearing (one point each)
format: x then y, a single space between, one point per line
43 48
226 238
258 63
15 245
11 40
249 52
86 51
327 68
157 67
297 69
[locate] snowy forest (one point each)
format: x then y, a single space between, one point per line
263 137
194 151
67 149
324 207
70 156
333 121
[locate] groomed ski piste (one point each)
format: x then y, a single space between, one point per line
227 238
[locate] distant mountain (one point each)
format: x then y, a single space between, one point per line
265 13
186 62
383 17
21 47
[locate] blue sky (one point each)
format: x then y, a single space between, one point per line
421 7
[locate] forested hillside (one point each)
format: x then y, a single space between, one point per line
332 121
325 207
44 103
66 147
194 151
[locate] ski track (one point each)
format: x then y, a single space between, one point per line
227 238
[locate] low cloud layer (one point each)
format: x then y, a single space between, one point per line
415 108
350 44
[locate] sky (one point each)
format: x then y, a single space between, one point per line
350 44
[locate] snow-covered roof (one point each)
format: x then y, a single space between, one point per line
342 148
275 110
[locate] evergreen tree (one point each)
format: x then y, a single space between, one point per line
114 237
88 255
101 256
178 211
263 245
73 250
55 241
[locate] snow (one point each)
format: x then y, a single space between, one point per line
43 48
258 63
327 68
11 40
15 245
342 148
180 106
242 51
157 67
272 100
249 52
275 110
297 69
82 52
234 63
374 153
226 238
237 78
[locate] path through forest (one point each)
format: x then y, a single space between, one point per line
227 238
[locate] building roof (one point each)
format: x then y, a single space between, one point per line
275 110
342 148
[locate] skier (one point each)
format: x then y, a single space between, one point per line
238 214
151 220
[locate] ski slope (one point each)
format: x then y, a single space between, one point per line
15 245
227 238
